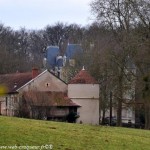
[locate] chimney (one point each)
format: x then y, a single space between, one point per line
35 72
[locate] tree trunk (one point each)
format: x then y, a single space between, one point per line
119 113
103 116
110 109
147 116
120 97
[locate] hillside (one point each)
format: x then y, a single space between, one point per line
20 132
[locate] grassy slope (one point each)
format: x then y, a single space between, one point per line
17 131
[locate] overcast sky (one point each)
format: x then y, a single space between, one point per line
36 14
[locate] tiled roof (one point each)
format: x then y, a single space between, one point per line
37 98
83 77
72 50
51 54
14 81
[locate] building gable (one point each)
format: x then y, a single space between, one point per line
45 81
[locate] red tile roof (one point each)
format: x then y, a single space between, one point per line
37 98
83 77
14 81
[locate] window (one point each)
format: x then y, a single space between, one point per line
47 84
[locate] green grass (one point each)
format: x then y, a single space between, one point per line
64 136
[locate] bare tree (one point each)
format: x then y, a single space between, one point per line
118 16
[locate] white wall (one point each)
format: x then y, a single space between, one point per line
83 90
127 114
87 96
89 112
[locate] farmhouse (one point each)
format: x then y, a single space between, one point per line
44 95
19 83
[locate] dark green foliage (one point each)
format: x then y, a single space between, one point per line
72 116
146 90
146 78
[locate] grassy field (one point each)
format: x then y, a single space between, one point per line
17 133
